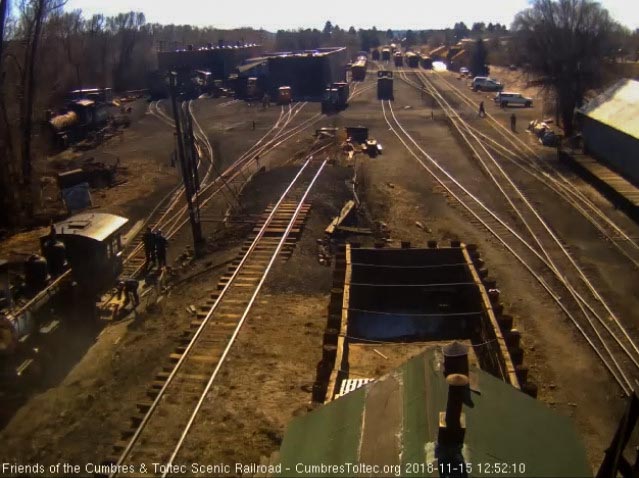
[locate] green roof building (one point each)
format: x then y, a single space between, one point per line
393 427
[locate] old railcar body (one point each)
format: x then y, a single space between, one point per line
94 248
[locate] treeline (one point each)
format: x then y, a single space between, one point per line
47 51
365 39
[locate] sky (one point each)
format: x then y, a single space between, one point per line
291 14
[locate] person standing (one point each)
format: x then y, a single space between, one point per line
482 111
131 291
161 244
148 239
513 122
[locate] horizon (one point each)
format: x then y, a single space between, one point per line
286 16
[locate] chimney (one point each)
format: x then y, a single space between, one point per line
455 359
452 422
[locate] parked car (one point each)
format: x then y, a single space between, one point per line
463 71
485 83
505 98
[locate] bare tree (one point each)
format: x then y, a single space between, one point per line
34 13
125 27
70 28
563 45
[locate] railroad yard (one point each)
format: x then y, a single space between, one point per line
232 343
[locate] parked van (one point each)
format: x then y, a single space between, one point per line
505 98
484 83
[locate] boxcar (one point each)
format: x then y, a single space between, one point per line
358 70
412 59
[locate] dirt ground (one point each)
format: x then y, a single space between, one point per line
81 418
144 152
269 374
570 377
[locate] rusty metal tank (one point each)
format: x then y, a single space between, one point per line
12 329
64 122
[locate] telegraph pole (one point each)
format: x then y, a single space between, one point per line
193 161
187 176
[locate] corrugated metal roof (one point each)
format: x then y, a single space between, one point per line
617 107
394 421
97 225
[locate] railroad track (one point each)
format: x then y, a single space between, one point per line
533 243
179 393
171 215
523 156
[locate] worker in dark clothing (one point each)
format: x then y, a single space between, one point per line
131 291
148 239
482 111
513 122
160 248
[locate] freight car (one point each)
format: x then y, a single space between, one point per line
253 89
284 95
427 62
375 54
358 70
399 59
385 85
386 54
335 98
412 59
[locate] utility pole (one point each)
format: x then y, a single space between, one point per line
187 176
193 161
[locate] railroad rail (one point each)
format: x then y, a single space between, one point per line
167 420
539 249
171 214
521 154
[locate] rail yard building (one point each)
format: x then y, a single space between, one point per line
220 60
610 128
307 72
